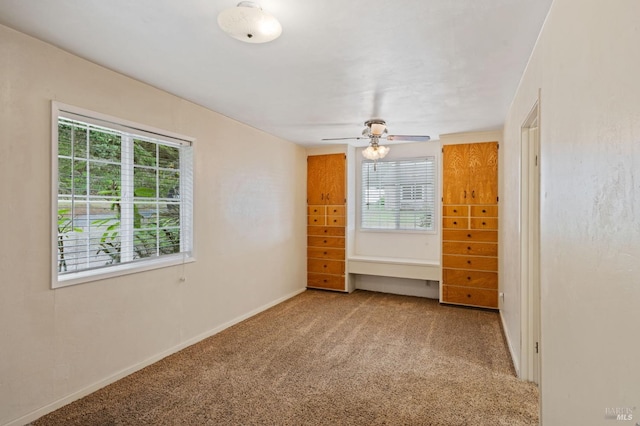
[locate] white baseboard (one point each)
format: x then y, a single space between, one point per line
34 415
514 359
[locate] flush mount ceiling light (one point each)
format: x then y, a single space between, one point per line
249 23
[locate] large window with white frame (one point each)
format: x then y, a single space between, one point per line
122 196
398 195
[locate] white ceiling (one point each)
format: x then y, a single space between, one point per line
428 67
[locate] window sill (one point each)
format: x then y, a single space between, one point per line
81 277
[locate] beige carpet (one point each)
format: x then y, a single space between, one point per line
326 358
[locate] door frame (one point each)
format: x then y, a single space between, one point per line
531 338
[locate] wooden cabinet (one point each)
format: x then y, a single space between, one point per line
470 173
470 224
326 180
326 220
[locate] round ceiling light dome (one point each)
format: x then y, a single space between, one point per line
249 23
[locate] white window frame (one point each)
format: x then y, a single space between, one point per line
186 254
360 200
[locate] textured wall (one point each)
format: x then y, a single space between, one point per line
249 234
588 69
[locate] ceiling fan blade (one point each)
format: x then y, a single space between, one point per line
343 139
408 138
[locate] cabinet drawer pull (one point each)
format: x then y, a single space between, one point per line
468 235
465 193
322 196
325 241
455 223
484 223
335 220
484 211
468 295
473 194
469 248
469 278
328 196
315 220
324 281
324 266
455 211
469 262
335 210
325 252
325 231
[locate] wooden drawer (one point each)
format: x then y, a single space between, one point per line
455 222
477 263
325 231
484 211
332 282
326 266
335 210
484 223
336 242
325 253
316 220
474 249
336 221
316 210
478 236
477 279
470 296
455 211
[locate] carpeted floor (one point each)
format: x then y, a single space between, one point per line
325 358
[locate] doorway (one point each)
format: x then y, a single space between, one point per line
530 246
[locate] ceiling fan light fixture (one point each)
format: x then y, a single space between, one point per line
249 23
375 152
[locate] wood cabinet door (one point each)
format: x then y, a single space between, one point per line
334 179
315 180
326 179
455 174
483 173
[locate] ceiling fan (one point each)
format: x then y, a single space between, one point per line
375 130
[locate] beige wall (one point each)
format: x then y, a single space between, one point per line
587 65
56 345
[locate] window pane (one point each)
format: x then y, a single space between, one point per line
145 243
169 157
144 153
80 142
169 214
146 215
104 146
80 177
169 240
104 233
104 179
144 182
169 184
64 176
64 139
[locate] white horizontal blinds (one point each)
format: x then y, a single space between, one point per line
398 194
120 196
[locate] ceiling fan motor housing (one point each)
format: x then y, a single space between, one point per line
375 127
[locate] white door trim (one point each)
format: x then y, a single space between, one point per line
530 365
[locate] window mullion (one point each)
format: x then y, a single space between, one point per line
126 200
